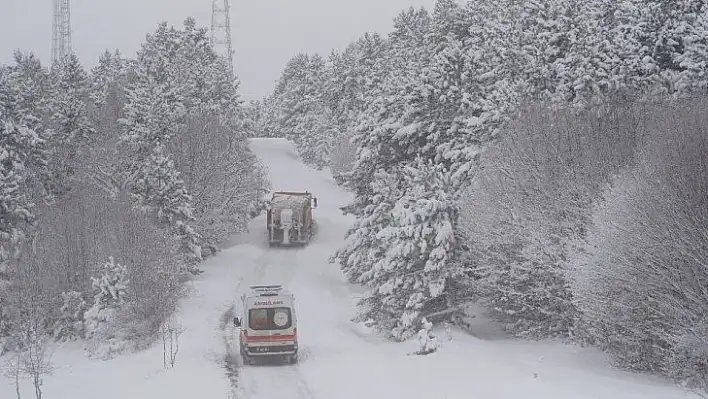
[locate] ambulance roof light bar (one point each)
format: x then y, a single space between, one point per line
266 290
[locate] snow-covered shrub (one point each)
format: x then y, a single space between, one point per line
110 295
642 282
111 290
112 285
688 361
427 341
70 325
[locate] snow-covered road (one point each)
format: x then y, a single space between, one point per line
339 359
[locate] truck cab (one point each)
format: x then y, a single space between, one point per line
268 324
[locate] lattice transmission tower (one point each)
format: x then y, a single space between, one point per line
61 31
221 30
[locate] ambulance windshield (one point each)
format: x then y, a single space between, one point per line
269 319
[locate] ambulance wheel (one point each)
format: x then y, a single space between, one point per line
247 359
292 359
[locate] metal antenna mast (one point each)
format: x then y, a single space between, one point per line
61 32
221 30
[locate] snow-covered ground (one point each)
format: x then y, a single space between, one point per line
338 359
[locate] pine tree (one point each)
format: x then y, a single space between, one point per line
27 99
154 113
17 210
301 111
386 103
179 82
365 247
20 146
409 280
591 67
160 190
108 78
71 129
663 43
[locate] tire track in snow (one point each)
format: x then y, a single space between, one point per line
277 265
232 362
270 266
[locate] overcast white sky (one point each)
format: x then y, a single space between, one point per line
266 33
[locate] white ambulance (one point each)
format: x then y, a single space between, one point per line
268 324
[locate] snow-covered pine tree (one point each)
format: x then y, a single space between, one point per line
21 158
354 76
364 247
302 113
71 129
155 111
70 325
209 85
385 104
353 82
373 176
29 88
108 80
17 210
229 188
409 278
156 98
22 150
253 118
588 67
160 190
422 111
450 18
270 118
30 85
541 32
663 43
182 103
463 95
463 92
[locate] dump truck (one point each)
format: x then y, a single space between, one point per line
289 220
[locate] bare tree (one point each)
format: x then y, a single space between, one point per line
170 343
224 178
35 361
530 207
13 370
643 282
